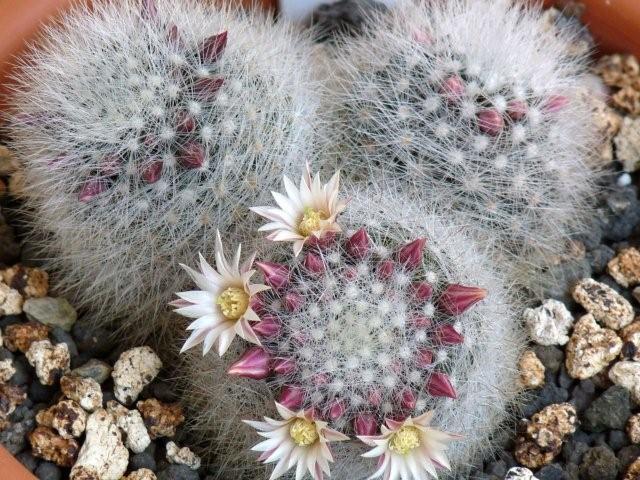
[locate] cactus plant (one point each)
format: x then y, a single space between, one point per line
143 126
383 313
477 104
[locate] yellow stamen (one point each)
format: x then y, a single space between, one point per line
233 303
405 440
303 432
311 221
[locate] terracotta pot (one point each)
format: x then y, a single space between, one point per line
11 468
21 20
615 24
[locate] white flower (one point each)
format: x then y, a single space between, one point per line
298 440
410 450
222 305
308 211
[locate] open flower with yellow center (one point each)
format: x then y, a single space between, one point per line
298 440
222 306
409 449
305 212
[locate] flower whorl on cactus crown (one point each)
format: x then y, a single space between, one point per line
476 104
357 330
147 124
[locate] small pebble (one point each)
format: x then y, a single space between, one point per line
20 336
55 312
520 473
609 411
625 267
603 303
11 301
599 463
178 472
182 456
50 361
66 417
134 370
50 446
161 419
48 471
531 370
627 374
96 369
85 391
549 324
591 348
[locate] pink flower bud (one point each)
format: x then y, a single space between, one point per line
420 321
291 397
365 425
517 109
425 358
422 37
213 47
174 35
293 301
385 269
358 245
275 274
350 273
186 122
555 103
267 327
336 410
447 335
453 88
207 88
320 379
110 165
91 189
439 385
256 302
253 364
149 10
283 366
323 242
375 398
192 155
490 121
457 299
151 173
313 263
408 399
422 291
411 254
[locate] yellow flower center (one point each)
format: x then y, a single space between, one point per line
405 440
233 303
311 221
303 432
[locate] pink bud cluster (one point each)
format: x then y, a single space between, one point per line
357 330
192 86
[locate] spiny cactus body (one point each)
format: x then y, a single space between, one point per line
386 320
477 105
145 125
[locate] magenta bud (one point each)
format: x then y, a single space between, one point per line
186 122
275 274
375 398
336 410
457 299
192 156
300 337
408 399
447 335
422 291
293 301
213 47
313 263
320 379
350 273
91 189
322 242
490 121
422 37
385 269
517 109
411 254
284 366
453 88
365 425
174 35
151 173
424 358
358 245
267 327
396 366
149 9
207 88
439 385
254 363
555 103
256 302
420 321
291 397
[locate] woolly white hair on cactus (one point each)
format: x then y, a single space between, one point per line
477 104
380 321
144 125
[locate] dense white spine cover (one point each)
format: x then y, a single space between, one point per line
133 153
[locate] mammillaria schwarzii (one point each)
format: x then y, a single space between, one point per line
143 126
380 324
477 104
